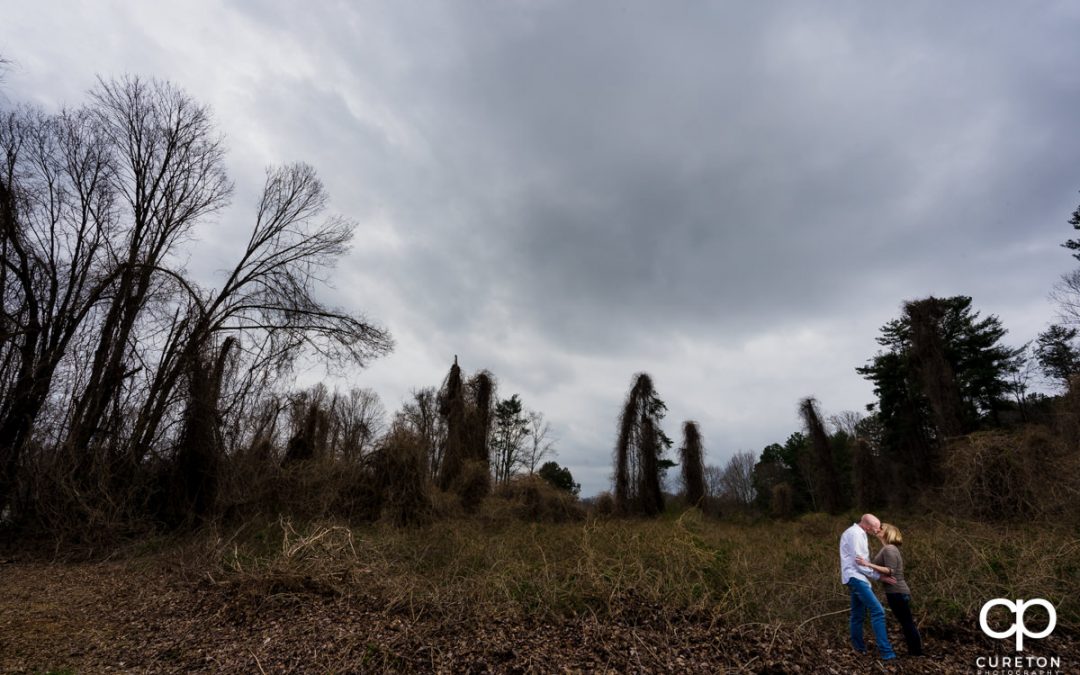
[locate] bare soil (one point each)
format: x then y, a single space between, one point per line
141 616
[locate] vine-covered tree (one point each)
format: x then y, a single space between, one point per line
828 482
452 410
466 408
638 450
693 465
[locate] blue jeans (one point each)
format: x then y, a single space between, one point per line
862 599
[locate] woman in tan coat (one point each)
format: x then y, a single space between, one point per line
889 561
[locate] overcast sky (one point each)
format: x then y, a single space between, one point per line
733 196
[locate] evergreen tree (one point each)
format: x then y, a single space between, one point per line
1074 244
1057 354
560 477
946 374
789 464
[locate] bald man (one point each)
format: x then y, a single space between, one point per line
857 578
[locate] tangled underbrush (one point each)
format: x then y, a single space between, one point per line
999 475
533 499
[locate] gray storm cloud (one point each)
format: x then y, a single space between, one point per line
732 197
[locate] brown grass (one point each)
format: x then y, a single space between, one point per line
675 568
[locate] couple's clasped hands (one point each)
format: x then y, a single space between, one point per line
886 573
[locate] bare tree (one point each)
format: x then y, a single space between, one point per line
540 444
421 416
737 480
847 421
714 484
57 215
1066 294
509 438
93 205
169 174
1024 371
269 297
359 418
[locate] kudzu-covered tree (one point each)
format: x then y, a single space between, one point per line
693 467
639 449
466 407
828 482
452 410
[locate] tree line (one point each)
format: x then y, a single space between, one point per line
958 421
119 373
132 393
133 396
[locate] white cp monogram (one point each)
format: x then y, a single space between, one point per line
1019 629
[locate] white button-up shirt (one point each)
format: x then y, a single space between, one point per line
853 543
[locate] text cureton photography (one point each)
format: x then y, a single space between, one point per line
1018 665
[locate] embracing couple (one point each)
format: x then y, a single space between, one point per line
856 571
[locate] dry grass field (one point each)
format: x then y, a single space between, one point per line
491 593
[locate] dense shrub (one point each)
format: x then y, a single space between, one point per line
1000 475
535 500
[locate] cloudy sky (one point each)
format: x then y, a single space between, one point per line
730 196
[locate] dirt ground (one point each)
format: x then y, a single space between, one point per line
141 617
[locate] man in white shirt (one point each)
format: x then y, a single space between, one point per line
853 543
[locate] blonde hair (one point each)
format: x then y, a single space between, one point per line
891 534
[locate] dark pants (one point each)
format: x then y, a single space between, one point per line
900 604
